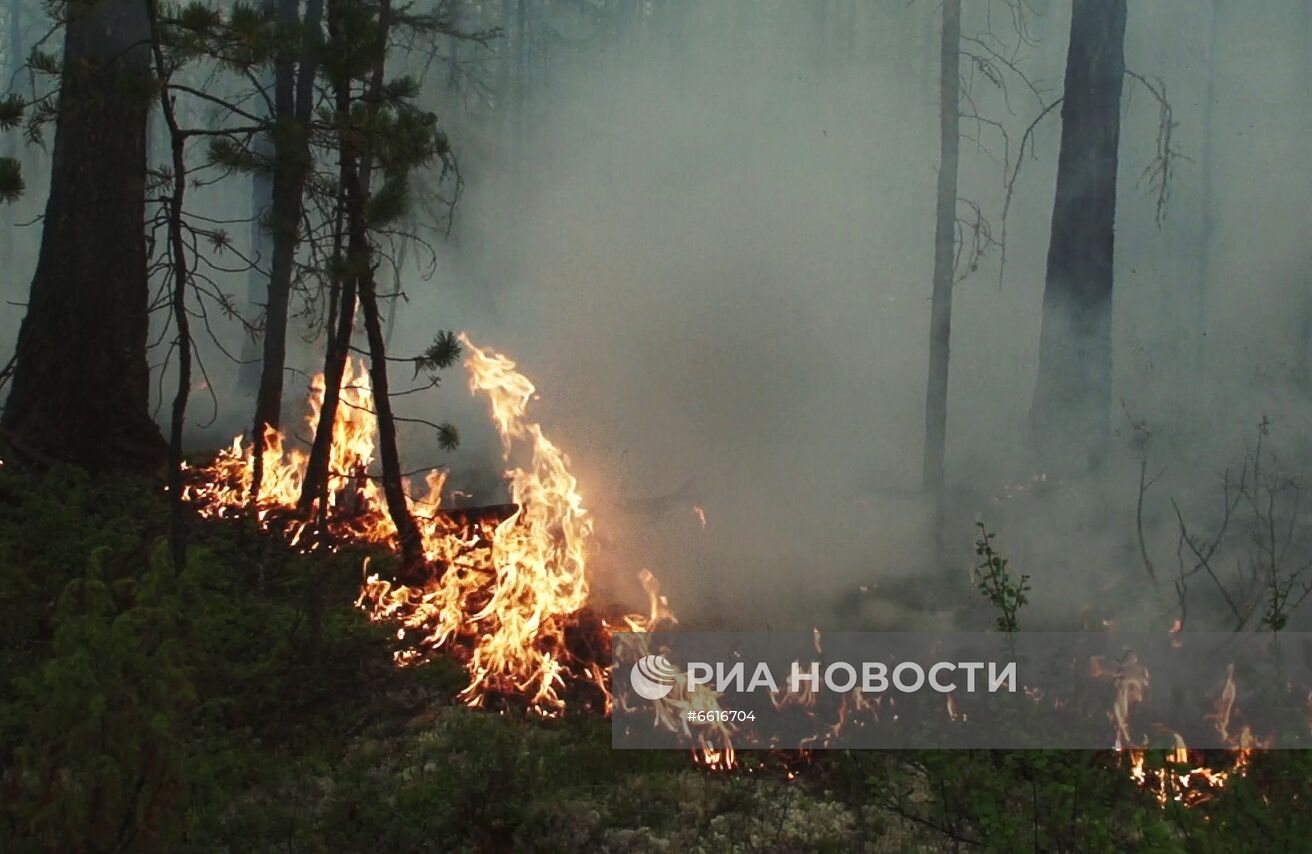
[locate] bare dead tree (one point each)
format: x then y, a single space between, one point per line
1261 531
963 235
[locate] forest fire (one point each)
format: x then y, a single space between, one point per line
508 592
509 595
1184 776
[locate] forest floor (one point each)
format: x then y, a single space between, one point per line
245 704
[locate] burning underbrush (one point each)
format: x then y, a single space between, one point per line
507 587
506 592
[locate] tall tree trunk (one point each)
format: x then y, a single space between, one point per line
81 383
1072 396
945 241
314 488
1305 73
357 173
257 281
412 552
293 102
284 211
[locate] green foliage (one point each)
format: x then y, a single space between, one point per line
1003 801
244 704
44 62
11 111
441 354
101 757
230 154
388 203
11 170
11 179
448 437
42 114
400 90
134 693
199 17
994 581
406 138
246 22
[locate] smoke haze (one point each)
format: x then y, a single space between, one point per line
709 242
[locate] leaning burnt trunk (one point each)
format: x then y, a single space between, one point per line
1072 395
314 488
81 384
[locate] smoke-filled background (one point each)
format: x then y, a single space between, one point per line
705 230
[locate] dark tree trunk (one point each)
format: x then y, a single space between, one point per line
293 101
257 281
81 384
357 169
315 486
284 211
1072 396
1305 72
341 322
945 241
412 551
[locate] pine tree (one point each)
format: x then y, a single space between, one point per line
80 382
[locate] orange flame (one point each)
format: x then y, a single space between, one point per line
1197 784
509 591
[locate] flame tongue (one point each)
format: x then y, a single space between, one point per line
513 593
538 555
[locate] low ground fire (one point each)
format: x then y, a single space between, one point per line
508 590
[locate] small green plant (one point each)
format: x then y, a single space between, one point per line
994 581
